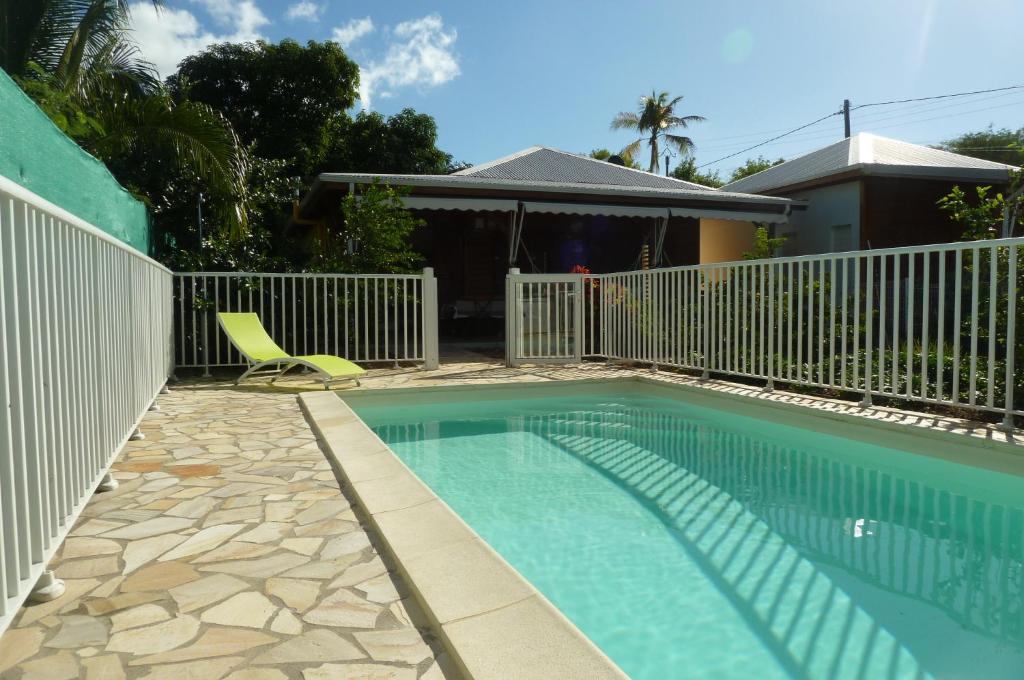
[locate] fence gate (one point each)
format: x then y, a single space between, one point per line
544 318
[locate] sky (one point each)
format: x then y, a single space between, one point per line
502 76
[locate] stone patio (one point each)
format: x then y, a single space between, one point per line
229 552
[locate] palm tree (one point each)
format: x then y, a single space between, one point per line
653 120
76 60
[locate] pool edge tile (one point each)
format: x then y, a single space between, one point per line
535 623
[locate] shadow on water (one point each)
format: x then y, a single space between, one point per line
758 518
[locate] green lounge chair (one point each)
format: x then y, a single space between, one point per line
265 358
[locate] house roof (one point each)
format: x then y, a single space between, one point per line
543 164
869 154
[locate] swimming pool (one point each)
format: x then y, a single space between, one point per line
691 542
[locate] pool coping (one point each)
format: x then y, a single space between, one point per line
487 615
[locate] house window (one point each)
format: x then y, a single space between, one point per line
841 238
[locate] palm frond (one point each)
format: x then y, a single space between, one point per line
631 150
683 145
626 120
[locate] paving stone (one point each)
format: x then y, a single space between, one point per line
303 546
108 605
317 645
234 550
143 615
18 645
203 541
249 609
206 669
322 569
142 552
360 671
399 646
106 667
286 623
195 507
96 526
259 568
213 642
59 666
79 631
343 609
257 674
87 546
321 510
161 576
327 527
266 532
359 573
206 591
151 527
248 514
348 544
298 594
160 637
197 470
74 589
99 566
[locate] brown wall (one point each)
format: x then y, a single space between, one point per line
903 212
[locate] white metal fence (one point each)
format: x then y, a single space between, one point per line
361 317
935 324
85 346
545 313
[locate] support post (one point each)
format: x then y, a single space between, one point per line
47 588
108 483
512 318
846 117
431 358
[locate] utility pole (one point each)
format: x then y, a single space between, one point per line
846 117
666 165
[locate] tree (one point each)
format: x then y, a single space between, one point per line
764 244
374 237
653 120
289 101
687 171
77 62
605 154
1003 145
753 166
404 143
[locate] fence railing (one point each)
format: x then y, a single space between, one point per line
85 346
935 324
366 318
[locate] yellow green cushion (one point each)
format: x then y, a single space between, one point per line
333 366
247 333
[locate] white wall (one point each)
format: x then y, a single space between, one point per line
724 240
819 229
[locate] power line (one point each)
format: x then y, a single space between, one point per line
861 106
768 141
939 96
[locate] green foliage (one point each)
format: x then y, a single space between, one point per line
687 171
82 69
1003 145
653 120
980 216
404 143
286 99
374 237
764 244
605 154
754 165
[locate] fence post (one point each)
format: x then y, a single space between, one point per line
511 318
430 349
1011 340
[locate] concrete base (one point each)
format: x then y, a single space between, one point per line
47 589
108 483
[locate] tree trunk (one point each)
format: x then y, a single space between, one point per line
654 154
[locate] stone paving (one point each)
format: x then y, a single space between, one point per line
228 551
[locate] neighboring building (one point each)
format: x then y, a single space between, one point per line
544 210
870 192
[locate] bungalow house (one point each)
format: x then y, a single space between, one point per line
544 210
868 191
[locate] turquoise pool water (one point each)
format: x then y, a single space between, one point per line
693 543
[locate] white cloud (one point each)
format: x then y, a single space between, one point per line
167 36
423 56
352 31
304 10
